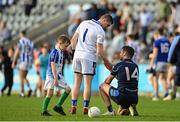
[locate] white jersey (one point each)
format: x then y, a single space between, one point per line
26 50
90 33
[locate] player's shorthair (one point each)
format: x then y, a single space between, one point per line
108 17
129 50
63 39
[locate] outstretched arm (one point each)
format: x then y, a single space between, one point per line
74 40
100 53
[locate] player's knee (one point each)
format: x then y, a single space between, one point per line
101 87
49 93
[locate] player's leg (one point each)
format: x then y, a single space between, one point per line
177 85
37 84
170 80
156 88
25 72
10 84
163 79
21 74
46 102
104 92
77 67
88 71
6 82
75 91
87 91
62 84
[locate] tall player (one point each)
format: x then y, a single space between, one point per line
88 42
174 58
25 52
159 57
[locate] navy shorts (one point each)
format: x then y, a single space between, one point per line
123 97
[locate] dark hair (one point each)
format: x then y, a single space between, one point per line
23 32
160 31
108 17
63 39
131 36
129 51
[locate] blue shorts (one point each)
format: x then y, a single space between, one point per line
123 97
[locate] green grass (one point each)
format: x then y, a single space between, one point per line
17 108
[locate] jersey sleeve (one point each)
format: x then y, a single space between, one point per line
54 56
156 44
19 44
100 37
115 69
78 28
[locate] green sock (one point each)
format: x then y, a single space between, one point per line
45 103
62 99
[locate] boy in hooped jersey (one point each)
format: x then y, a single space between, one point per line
54 77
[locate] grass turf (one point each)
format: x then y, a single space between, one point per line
17 108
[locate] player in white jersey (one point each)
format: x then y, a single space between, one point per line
88 43
25 52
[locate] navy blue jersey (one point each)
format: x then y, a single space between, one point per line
127 74
163 46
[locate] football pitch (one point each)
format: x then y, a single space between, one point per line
28 109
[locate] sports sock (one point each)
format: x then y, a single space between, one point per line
86 103
156 94
62 99
110 109
45 103
74 103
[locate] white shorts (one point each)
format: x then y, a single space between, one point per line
84 66
162 67
49 83
24 66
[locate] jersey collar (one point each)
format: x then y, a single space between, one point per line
58 49
128 60
97 22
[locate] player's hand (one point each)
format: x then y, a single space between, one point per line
55 82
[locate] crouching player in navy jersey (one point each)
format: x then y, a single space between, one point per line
126 94
54 77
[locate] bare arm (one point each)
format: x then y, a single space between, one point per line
109 79
100 53
74 40
154 55
15 57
